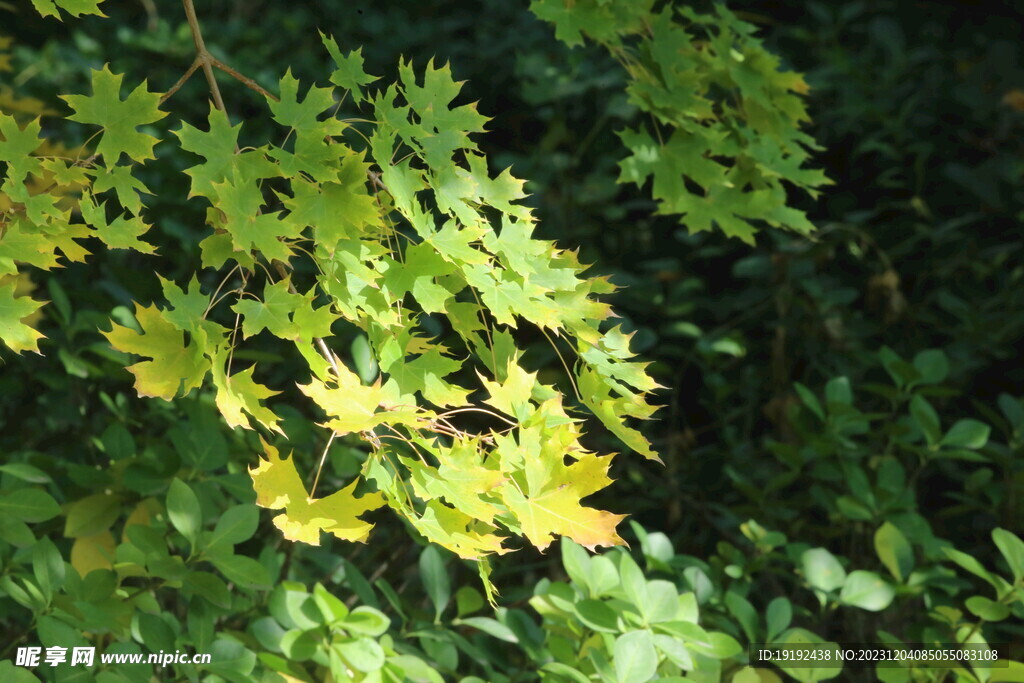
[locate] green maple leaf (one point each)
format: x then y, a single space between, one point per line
121 233
311 323
278 486
188 310
424 374
175 365
432 102
335 210
349 74
460 478
418 274
273 313
612 411
17 146
529 257
302 116
241 200
455 244
23 243
315 154
609 357
218 146
76 8
15 334
119 118
506 295
457 531
126 186
66 174
500 191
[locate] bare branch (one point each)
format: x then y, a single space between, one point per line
203 55
243 79
196 63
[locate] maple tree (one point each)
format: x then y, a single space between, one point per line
402 220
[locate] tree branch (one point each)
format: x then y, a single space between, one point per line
202 55
181 81
243 79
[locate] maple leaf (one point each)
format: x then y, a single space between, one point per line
424 374
501 191
17 146
238 394
126 186
552 504
612 411
217 146
336 210
76 8
174 363
353 407
431 102
240 199
349 74
460 478
457 531
512 396
418 274
278 486
13 310
272 314
121 233
291 113
188 310
119 118
23 243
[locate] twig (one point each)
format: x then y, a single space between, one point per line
203 55
243 79
196 63
316 479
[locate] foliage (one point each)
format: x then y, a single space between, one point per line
714 95
473 280
813 488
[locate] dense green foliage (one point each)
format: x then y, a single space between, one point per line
843 424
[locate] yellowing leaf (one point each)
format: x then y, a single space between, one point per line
555 508
512 396
174 365
239 395
612 411
13 311
278 486
457 531
353 407
460 478
89 553
141 515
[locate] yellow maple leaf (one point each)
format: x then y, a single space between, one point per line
174 363
553 507
457 531
278 486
